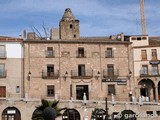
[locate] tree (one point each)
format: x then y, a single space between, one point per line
40 112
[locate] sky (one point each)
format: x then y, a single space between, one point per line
97 17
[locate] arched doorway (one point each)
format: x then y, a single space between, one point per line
126 115
71 114
11 113
147 90
98 114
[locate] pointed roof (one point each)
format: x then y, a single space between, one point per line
68 15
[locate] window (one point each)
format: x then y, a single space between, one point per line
2 70
110 70
50 70
149 113
17 89
81 70
109 52
158 113
80 90
144 54
144 70
2 91
71 26
154 54
81 52
50 90
50 52
111 89
155 70
138 38
2 51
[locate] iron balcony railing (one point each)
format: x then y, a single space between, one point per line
110 74
3 74
87 74
80 54
50 75
150 72
50 53
3 54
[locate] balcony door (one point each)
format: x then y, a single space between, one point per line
110 70
50 70
144 70
81 70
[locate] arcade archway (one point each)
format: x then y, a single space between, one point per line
71 114
147 90
126 115
11 113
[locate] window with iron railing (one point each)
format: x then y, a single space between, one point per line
155 70
144 70
50 73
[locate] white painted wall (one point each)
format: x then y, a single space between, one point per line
14 50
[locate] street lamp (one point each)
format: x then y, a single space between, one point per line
29 75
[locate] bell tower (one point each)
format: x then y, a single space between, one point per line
69 26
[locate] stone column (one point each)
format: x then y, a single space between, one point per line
156 93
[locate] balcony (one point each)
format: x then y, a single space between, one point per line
87 74
50 53
81 54
50 75
3 55
110 74
149 73
3 73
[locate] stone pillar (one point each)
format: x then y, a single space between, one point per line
156 93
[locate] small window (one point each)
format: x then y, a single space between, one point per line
109 52
17 89
71 26
144 38
144 54
133 38
150 113
111 89
154 54
138 38
81 52
50 52
74 36
50 90
2 51
158 113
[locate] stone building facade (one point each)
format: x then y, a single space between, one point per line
82 72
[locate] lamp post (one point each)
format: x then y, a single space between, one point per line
130 91
107 116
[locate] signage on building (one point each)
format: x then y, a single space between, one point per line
155 62
119 81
